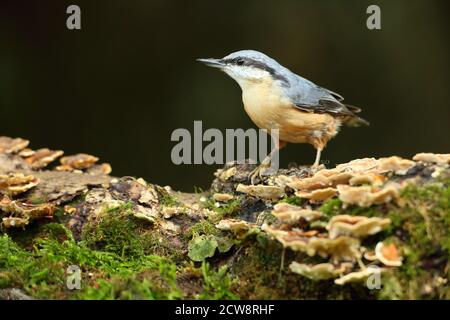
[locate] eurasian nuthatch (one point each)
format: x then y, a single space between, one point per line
276 98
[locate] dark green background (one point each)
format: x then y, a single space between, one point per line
121 85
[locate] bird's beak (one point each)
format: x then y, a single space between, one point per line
216 63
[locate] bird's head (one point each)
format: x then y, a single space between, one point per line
249 66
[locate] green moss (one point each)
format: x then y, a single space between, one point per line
335 207
216 284
120 259
260 268
116 232
331 207
157 244
225 209
422 223
37 199
168 200
294 200
41 272
204 226
56 231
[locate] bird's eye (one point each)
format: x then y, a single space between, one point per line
240 62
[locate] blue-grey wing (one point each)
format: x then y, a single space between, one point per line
310 97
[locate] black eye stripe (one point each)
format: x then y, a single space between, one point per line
244 61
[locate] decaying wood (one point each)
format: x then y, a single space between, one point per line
32 188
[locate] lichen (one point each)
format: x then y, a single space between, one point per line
223 243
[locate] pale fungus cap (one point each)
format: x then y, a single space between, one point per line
318 195
31 211
100 169
370 256
321 271
14 222
365 196
388 254
42 157
359 165
321 179
289 213
358 276
262 191
335 176
17 183
342 248
234 225
356 226
24 212
315 182
27 152
223 197
370 178
12 145
79 161
284 181
439 158
395 164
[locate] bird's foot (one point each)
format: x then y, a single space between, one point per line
258 172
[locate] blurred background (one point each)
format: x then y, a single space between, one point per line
118 87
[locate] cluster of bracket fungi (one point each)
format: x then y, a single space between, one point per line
337 241
32 188
15 208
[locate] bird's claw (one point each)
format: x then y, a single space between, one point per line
257 172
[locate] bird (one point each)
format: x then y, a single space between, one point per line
276 98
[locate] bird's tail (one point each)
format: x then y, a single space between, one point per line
354 120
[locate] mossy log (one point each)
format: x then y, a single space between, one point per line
367 229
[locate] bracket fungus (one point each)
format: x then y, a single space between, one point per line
261 191
21 212
235 225
77 162
12 145
289 213
395 164
388 255
371 178
27 152
358 276
365 196
359 165
14 222
42 157
27 210
99 169
318 195
321 179
356 226
321 271
223 197
17 183
343 248
439 158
